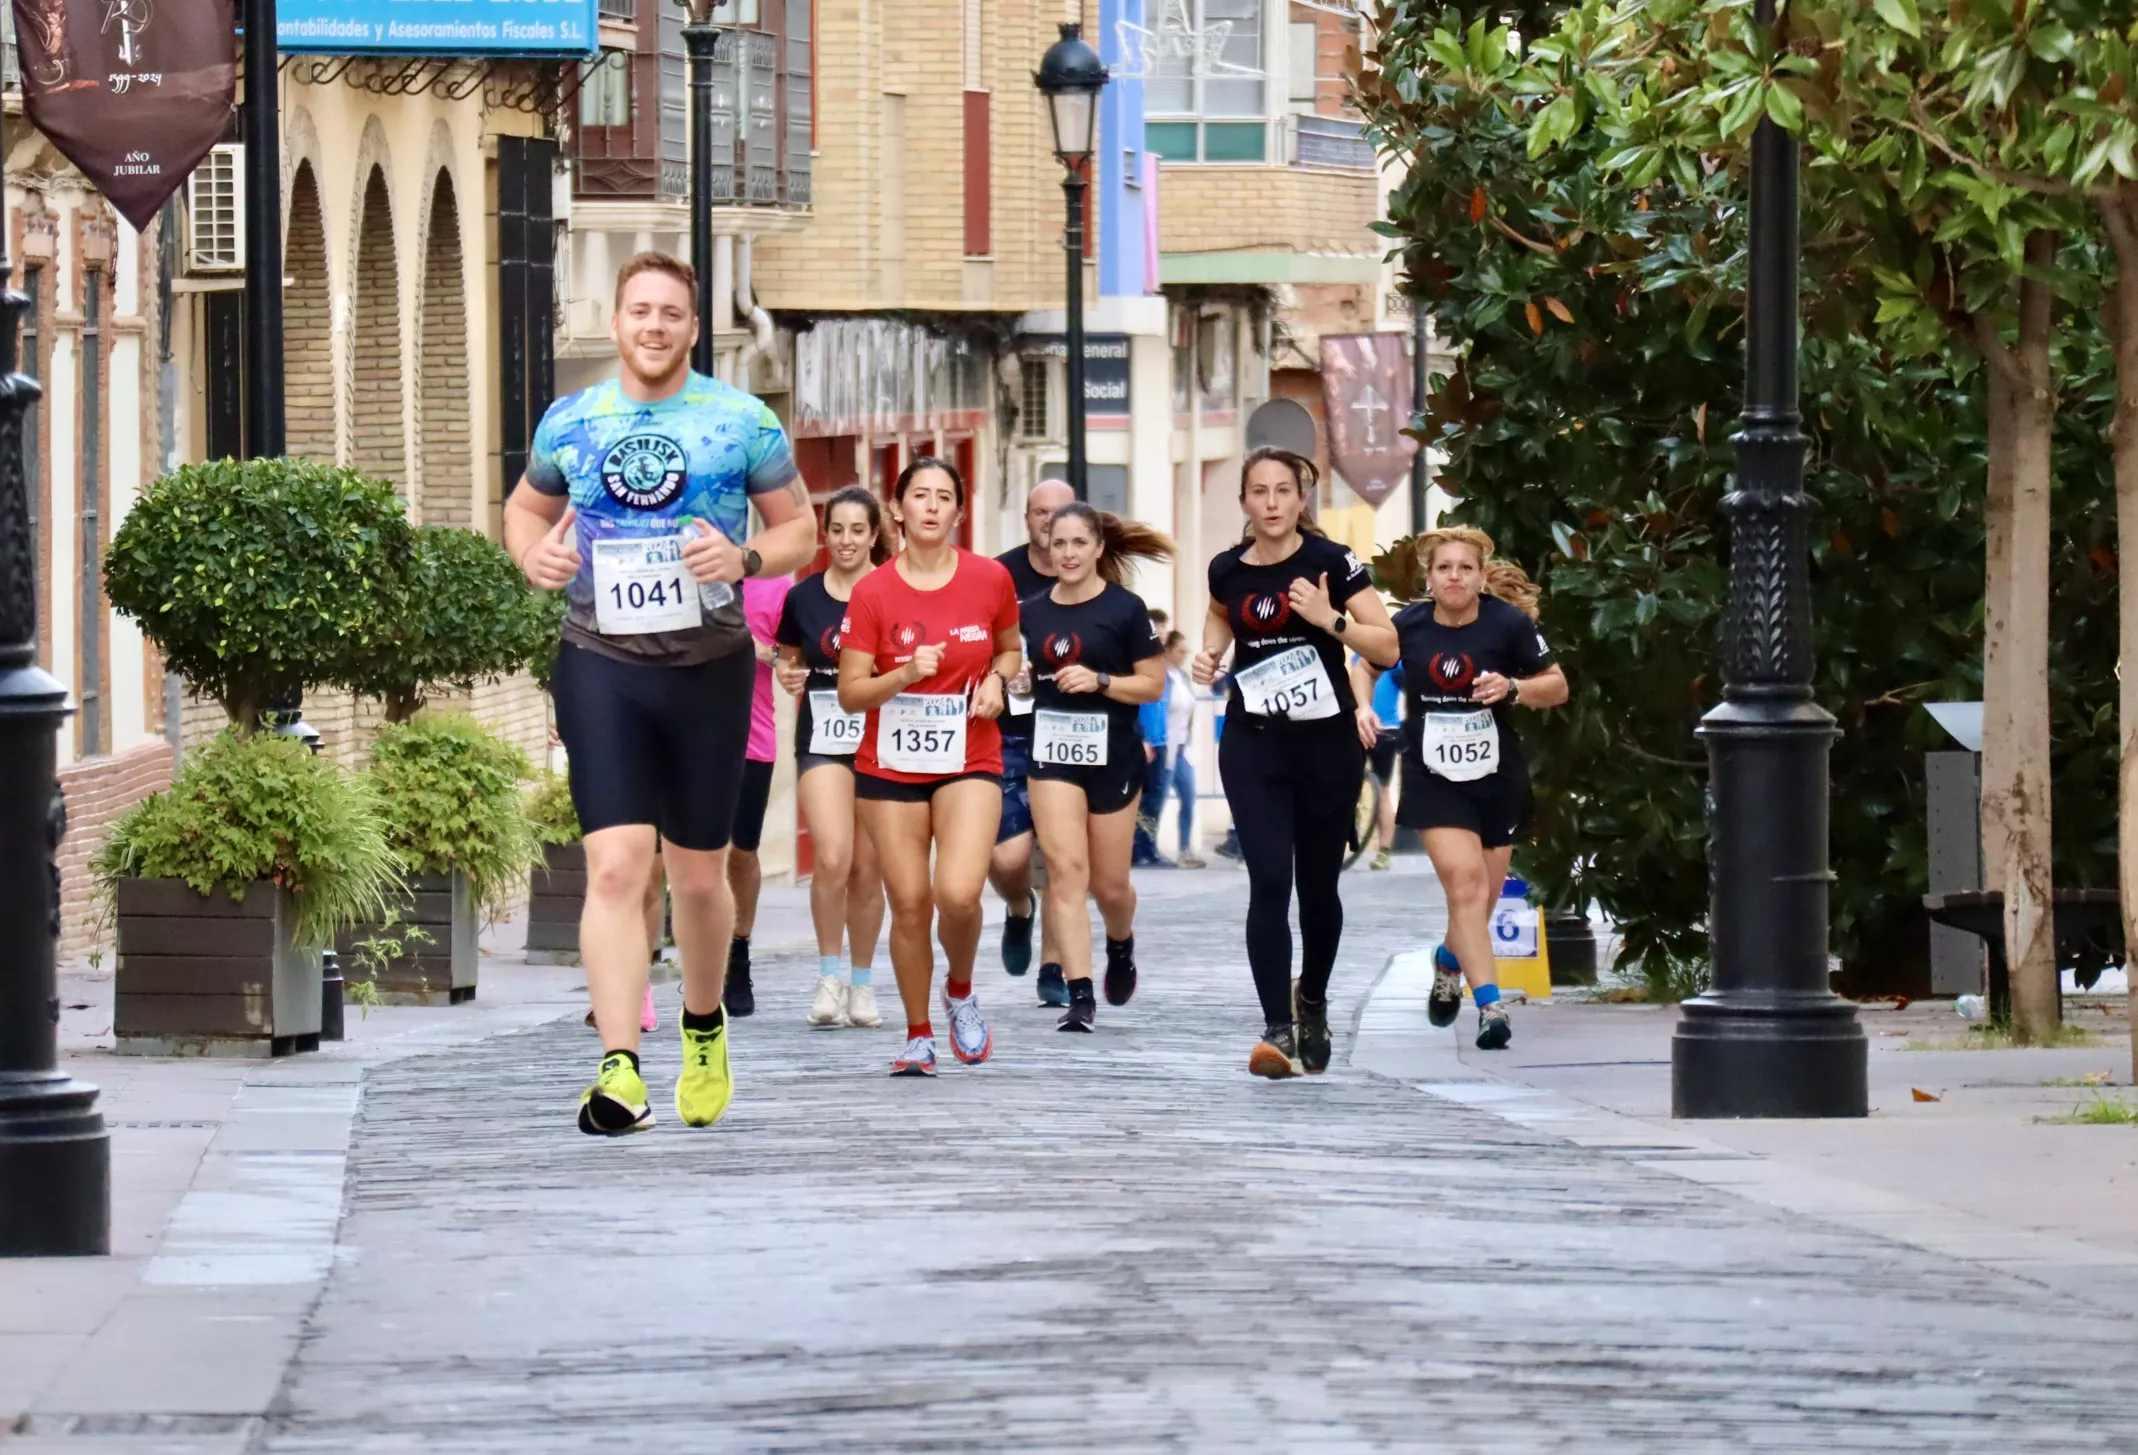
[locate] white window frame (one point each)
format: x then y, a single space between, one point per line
1274 43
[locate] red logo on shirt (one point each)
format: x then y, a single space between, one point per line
1453 673
828 644
1266 612
906 636
1062 649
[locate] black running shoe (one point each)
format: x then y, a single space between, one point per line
1276 1055
1017 943
1053 990
1446 1000
1494 1030
1083 1008
1313 1033
1120 970
739 999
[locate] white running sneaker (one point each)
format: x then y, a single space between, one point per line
861 1007
828 1010
970 1039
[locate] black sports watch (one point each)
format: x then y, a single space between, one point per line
1336 627
1106 680
752 563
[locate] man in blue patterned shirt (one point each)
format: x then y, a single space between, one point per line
637 501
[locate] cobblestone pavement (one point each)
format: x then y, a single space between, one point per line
1122 1243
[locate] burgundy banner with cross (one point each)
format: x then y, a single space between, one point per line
1366 404
133 92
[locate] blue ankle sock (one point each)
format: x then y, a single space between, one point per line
857 975
828 965
1485 995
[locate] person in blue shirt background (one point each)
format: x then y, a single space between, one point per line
1151 718
1388 707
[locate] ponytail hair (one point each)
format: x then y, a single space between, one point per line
880 547
1305 474
1124 540
1503 578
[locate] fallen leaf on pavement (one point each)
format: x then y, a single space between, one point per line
1921 1095
2094 1078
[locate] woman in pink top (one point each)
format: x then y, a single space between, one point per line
761 604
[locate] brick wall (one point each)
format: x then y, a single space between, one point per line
865 50
99 790
447 493
308 333
1205 209
379 443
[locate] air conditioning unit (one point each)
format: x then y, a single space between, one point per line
215 213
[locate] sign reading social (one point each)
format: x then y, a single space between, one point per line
438 27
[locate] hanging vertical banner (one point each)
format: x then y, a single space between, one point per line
1366 403
133 92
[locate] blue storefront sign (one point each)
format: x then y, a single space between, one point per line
438 27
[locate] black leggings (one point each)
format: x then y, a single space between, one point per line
1294 791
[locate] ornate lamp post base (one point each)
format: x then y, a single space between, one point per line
55 1155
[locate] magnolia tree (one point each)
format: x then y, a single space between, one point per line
1956 159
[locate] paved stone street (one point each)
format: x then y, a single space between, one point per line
1124 1243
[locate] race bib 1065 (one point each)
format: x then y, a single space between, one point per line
833 731
1069 739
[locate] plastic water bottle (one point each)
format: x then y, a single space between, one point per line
712 595
1970 1007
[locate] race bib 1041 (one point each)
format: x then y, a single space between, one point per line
1293 684
833 731
641 585
1461 746
1069 739
922 732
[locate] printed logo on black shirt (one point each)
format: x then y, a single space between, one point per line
1266 612
1062 649
1453 673
828 643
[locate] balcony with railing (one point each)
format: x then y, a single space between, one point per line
629 140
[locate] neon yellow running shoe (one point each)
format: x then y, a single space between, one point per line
706 1085
616 1103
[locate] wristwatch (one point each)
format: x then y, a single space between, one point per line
752 563
1106 680
1336 627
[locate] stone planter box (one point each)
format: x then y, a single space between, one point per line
440 971
207 975
556 894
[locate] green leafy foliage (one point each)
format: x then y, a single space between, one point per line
264 577
467 616
253 808
549 809
1592 292
450 796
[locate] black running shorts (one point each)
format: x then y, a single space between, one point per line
1108 787
1496 809
655 744
750 801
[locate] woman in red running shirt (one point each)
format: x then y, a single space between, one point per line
926 649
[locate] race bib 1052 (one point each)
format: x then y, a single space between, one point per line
1461 746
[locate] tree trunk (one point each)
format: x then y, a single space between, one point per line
2119 212
2016 734
403 706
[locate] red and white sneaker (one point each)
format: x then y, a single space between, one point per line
918 1059
970 1039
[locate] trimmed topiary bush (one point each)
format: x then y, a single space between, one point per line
450 797
262 578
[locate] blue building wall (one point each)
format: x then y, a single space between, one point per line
1121 153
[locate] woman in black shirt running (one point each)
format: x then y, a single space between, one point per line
1290 602
846 888
1095 659
1471 655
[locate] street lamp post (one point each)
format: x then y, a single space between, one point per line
265 432
699 39
55 1155
1070 77
1770 1039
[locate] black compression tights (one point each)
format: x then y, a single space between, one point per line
1294 792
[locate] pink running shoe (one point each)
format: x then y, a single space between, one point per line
649 1019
